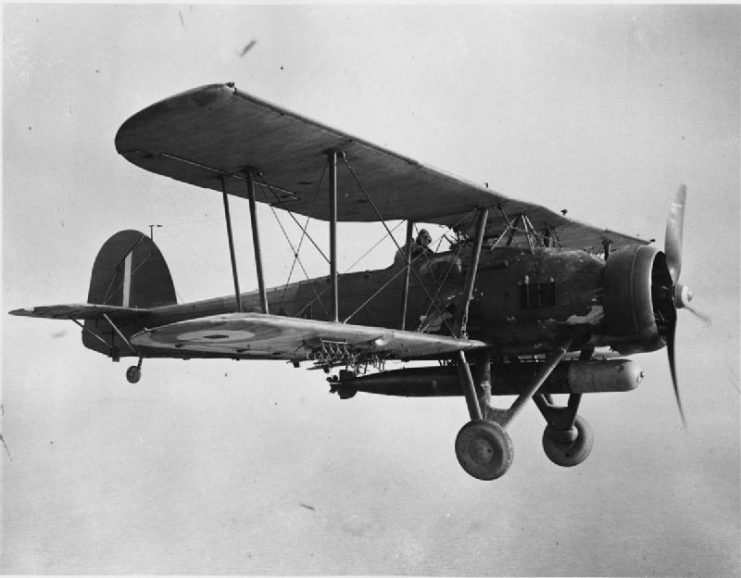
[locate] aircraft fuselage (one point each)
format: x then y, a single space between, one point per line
523 301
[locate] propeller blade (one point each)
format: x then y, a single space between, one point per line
673 239
670 331
701 316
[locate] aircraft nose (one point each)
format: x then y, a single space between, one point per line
682 295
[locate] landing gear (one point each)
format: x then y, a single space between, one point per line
484 449
567 439
134 373
568 448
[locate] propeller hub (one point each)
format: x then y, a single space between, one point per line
682 295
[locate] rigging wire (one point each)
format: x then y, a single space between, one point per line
295 260
381 288
304 232
419 256
317 296
285 234
459 249
364 255
398 247
290 214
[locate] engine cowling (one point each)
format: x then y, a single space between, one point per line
634 281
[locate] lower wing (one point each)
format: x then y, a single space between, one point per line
292 338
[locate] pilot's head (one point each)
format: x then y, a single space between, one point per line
424 238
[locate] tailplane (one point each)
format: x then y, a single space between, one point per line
129 278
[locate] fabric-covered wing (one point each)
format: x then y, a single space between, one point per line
80 311
217 131
292 338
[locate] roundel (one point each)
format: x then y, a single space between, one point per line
215 336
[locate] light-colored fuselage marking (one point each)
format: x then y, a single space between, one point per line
127 280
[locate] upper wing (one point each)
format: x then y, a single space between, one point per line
217 131
261 335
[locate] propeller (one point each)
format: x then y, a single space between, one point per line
673 238
706 319
680 295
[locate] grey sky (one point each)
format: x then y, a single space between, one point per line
203 466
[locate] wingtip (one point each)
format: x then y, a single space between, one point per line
207 96
24 311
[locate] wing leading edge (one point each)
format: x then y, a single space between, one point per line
216 132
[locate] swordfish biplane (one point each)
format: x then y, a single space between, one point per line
525 302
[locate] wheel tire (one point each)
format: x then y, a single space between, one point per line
484 449
568 453
133 374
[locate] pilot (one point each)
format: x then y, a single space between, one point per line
421 246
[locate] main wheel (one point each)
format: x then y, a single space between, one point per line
484 449
133 374
571 447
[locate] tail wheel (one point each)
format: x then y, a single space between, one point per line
568 448
484 449
134 374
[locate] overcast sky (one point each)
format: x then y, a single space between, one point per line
203 466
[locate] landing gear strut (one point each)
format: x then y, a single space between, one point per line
483 447
134 373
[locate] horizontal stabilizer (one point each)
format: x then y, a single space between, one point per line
292 338
80 311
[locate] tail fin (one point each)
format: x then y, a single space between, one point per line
129 271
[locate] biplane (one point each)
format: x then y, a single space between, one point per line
524 302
